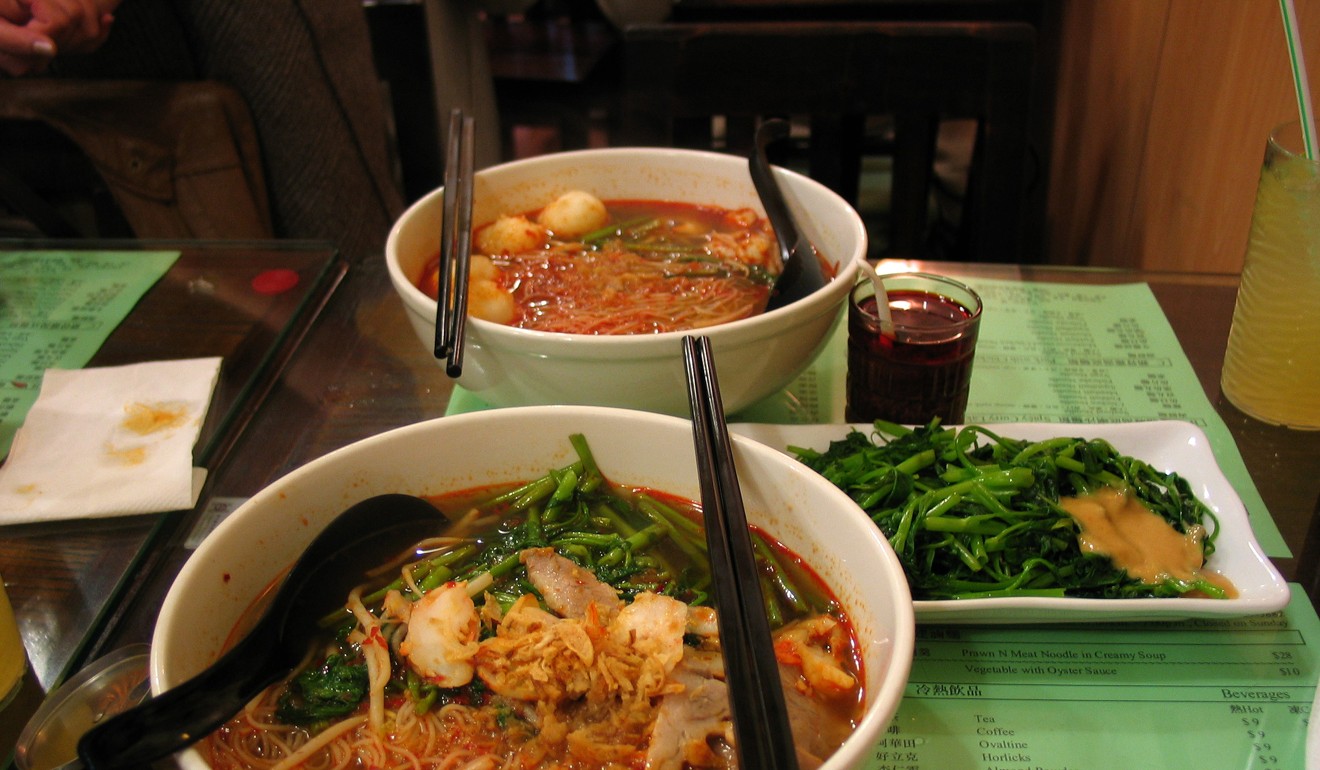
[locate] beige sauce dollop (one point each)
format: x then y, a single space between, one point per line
1139 541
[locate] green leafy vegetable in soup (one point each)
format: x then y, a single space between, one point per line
975 515
321 693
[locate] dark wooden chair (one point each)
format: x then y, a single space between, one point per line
837 78
131 158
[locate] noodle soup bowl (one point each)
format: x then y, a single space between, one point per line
217 588
759 356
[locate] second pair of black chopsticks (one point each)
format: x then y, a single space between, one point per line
760 719
455 245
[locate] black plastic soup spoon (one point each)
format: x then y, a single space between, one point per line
801 274
322 576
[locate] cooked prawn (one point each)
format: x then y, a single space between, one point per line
653 625
442 636
817 647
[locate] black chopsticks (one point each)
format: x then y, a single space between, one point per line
455 245
760 719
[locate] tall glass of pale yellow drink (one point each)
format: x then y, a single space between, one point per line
1272 365
13 658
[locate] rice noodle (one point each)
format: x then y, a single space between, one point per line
441 738
618 292
666 266
377 654
315 744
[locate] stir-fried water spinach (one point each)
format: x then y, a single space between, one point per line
972 514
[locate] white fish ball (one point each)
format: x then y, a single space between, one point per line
511 235
573 214
487 301
481 268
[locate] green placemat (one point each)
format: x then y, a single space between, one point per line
1211 694
56 310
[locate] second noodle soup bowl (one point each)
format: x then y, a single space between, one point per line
757 356
247 552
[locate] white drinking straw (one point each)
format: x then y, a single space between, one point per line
881 296
1299 76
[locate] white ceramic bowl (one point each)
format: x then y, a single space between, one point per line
812 517
506 366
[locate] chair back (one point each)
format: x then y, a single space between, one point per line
835 78
181 159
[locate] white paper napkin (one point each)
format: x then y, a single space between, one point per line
109 441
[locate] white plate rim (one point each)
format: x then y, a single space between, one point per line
1169 446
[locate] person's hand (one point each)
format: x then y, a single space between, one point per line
76 26
23 50
33 32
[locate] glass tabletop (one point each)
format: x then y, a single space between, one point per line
248 303
360 370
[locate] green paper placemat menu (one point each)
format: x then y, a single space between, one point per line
56 310
1207 694
1049 352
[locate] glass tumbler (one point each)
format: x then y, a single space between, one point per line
1272 364
13 657
920 367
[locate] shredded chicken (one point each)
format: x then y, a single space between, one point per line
594 683
536 655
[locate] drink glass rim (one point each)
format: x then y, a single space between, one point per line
1286 139
973 305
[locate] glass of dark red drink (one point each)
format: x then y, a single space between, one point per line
918 366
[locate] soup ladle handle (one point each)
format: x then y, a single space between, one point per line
183 715
273 648
800 274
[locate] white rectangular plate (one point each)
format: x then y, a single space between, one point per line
1169 446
